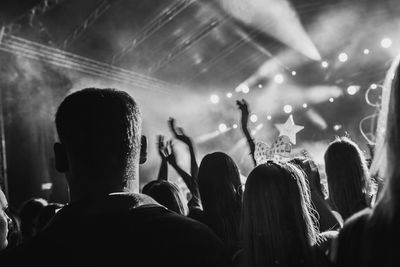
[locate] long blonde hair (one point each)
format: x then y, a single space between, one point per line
387 152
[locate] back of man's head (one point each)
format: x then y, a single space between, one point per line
100 130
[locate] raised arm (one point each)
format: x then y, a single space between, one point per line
187 178
180 135
244 109
162 151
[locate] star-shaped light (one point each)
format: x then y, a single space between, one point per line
289 129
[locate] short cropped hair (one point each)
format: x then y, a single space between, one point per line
100 127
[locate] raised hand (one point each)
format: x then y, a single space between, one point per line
178 132
170 153
245 112
162 147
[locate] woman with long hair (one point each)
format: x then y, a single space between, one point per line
348 177
221 195
371 237
278 227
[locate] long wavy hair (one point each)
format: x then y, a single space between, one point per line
387 152
220 192
278 227
348 177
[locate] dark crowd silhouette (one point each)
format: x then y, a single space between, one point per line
282 216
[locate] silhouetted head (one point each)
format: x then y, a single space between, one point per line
277 222
348 176
4 221
100 142
29 214
220 192
167 194
311 172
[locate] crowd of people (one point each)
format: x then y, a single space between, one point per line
281 216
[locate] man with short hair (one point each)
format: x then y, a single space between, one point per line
108 222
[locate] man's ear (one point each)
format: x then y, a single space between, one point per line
61 158
143 149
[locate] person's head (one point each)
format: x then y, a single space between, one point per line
167 194
277 222
347 175
29 214
100 142
221 193
4 221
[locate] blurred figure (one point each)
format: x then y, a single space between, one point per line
348 177
29 214
277 223
221 197
5 221
371 237
107 222
167 194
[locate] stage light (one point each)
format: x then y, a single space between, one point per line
242 88
331 99
343 57
324 64
269 117
353 89
253 132
288 109
222 127
374 86
386 42
229 95
234 126
214 99
279 78
260 86
366 51
337 127
305 105
294 73
253 118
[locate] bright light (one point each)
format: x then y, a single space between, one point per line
229 95
234 126
343 57
294 73
245 89
279 78
353 89
214 99
324 64
386 42
253 132
242 88
260 86
222 127
305 105
288 109
269 117
366 51
337 127
331 99
253 118
374 86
